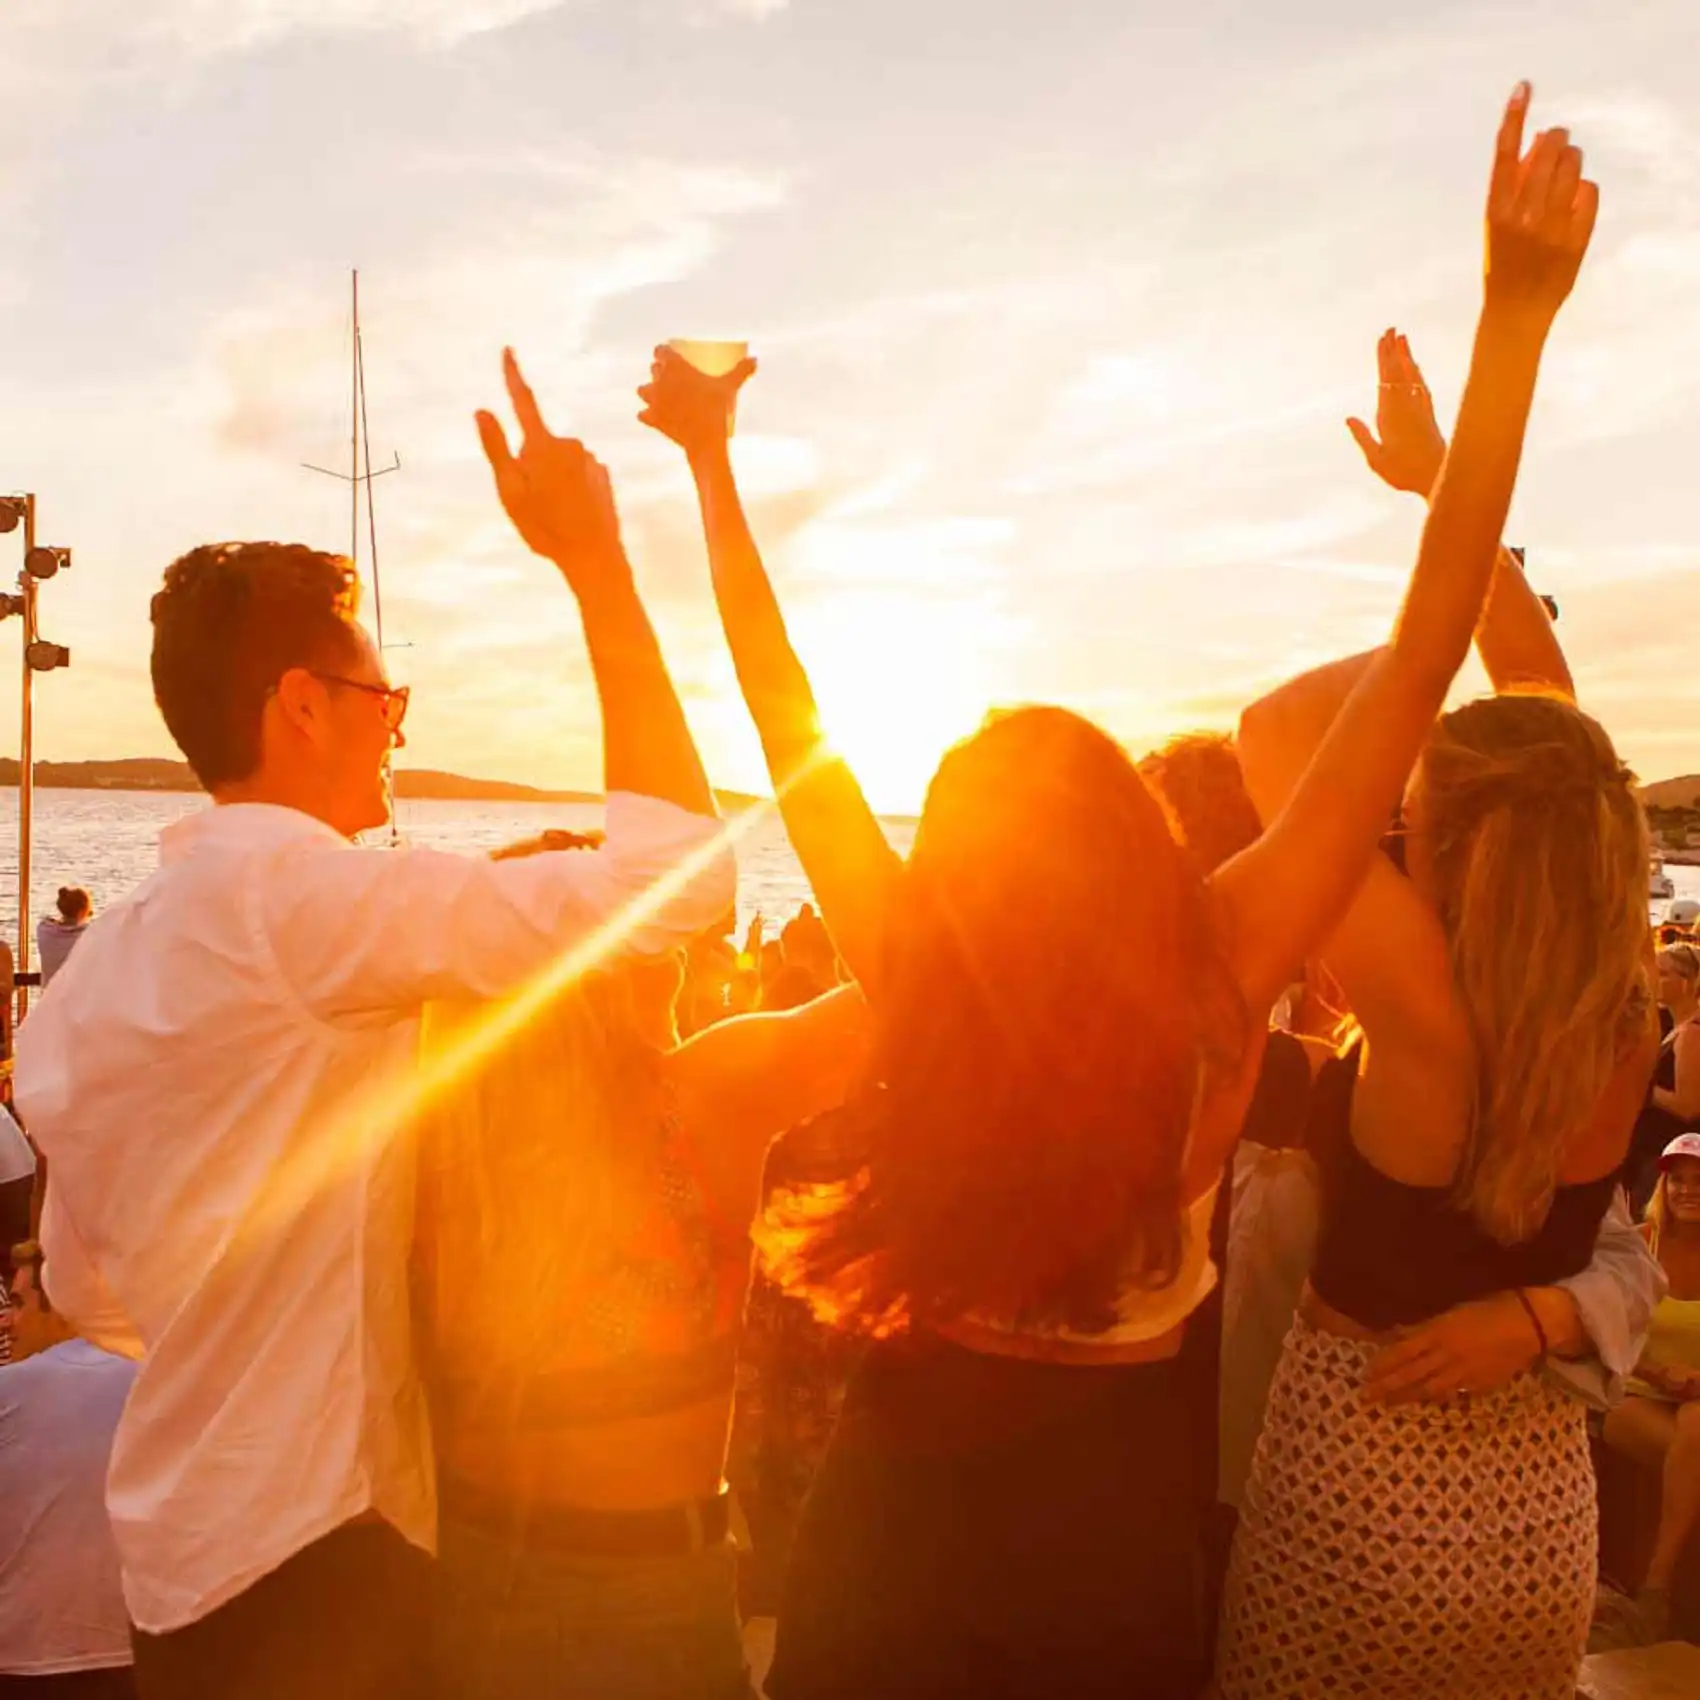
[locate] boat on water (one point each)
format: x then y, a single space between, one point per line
1660 886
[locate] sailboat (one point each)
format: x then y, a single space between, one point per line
359 478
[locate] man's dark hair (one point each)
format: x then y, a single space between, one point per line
28 1254
229 622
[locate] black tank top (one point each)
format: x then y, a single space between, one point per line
1389 1255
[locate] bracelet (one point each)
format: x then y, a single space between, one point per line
1529 1309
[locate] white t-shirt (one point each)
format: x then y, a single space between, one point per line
61 1605
17 1161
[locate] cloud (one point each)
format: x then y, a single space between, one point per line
111 30
534 271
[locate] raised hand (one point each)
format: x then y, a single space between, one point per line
1406 448
1540 216
554 490
692 408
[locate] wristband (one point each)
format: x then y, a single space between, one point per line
1529 1310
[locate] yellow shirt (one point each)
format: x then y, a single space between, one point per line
1673 1342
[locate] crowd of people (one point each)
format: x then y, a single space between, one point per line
1170 1233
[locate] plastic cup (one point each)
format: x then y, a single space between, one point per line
713 360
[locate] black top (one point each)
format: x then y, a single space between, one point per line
1389 1254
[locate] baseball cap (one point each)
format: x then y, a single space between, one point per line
1684 1145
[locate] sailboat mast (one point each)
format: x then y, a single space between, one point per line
366 479
354 426
360 448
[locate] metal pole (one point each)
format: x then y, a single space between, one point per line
26 764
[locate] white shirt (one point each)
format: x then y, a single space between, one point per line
1272 1229
218 1079
61 1608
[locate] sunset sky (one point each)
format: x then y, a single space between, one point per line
1060 309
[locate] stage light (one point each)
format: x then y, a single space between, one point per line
11 512
10 605
42 656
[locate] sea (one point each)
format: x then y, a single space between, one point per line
108 843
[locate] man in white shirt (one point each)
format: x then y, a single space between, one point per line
222 1076
63 1628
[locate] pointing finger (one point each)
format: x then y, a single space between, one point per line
519 393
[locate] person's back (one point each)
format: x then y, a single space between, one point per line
276 1181
57 935
582 1261
61 1608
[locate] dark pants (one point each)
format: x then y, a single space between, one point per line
341 1620
71 1685
518 1623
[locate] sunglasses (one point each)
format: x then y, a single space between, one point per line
393 698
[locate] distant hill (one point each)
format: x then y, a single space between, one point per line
1683 793
148 773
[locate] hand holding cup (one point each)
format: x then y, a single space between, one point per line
695 405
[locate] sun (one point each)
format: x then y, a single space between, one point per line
898 679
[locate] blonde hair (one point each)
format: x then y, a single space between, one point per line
1684 961
1539 850
527 1172
1655 1217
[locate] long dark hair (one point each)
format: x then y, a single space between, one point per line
1053 994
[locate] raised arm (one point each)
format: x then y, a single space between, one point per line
362 936
835 833
558 496
1328 804
1516 638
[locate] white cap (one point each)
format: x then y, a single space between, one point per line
1684 1145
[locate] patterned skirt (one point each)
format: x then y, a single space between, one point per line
1412 1552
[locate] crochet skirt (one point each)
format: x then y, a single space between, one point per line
1410 1551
